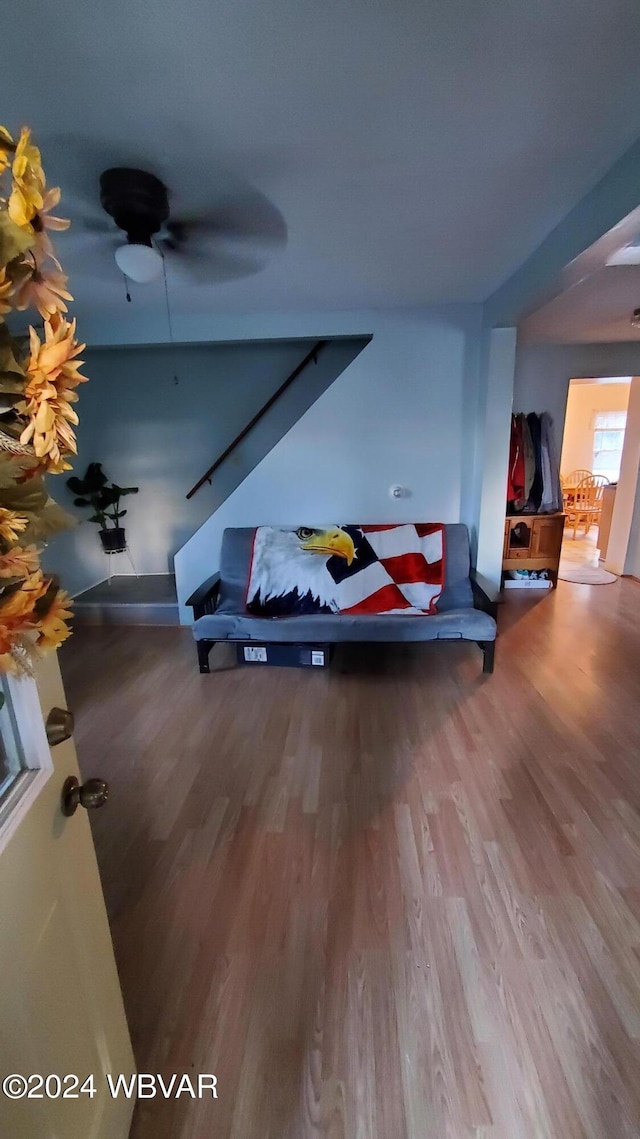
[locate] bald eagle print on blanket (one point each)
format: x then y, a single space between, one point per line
346 569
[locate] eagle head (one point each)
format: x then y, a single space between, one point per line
287 562
334 541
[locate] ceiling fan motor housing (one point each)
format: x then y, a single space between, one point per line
138 202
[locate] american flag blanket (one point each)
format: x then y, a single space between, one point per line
346 569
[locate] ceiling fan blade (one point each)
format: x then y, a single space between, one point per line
101 226
84 215
248 219
214 266
83 248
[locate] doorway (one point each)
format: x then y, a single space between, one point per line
591 466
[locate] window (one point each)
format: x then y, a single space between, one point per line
608 441
12 761
25 757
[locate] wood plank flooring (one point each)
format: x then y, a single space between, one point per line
395 900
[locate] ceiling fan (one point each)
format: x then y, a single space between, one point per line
231 239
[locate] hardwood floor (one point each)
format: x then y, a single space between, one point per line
399 901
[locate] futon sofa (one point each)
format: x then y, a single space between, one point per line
466 611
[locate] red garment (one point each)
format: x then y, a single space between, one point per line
516 476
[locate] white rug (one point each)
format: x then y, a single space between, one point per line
585 574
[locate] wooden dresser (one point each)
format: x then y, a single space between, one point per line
533 542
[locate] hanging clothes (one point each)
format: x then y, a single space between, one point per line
533 483
516 478
552 486
547 497
529 457
535 495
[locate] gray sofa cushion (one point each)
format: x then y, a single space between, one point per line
456 618
456 624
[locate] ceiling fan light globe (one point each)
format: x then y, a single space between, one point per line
140 263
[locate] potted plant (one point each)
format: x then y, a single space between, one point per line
95 491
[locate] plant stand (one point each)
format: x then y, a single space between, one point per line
114 553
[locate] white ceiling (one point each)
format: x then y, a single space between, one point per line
418 150
597 311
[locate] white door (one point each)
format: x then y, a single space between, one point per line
61 1011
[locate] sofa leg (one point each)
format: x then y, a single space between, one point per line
488 653
204 648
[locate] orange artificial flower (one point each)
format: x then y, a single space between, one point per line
42 221
44 289
53 629
11 525
27 194
7 641
19 562
21 602
6 289
17 611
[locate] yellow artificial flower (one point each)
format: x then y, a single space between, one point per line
11 525
6 289
19 562
33 610
42 221
48 428
7 147
27 194
57 356
52 375
52 627
43 289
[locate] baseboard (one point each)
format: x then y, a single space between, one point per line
85 588
127 599
127 614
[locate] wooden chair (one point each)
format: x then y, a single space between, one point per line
569 483
587 503
576 477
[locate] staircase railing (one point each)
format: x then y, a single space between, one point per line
312 355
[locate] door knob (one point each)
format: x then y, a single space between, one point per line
93 793
59 726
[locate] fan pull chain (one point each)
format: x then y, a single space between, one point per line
169 322
126 288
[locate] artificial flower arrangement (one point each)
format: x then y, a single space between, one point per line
39 375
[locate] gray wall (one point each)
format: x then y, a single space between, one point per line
161 435
543 372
